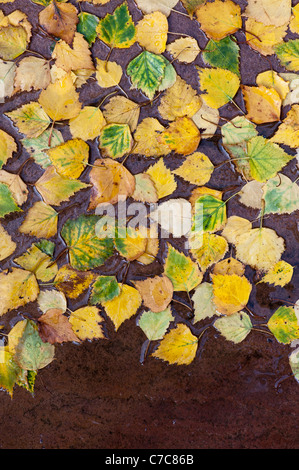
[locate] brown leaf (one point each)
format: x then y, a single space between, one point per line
156 292
54 327
60 20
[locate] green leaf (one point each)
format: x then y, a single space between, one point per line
87 26
235 135
210 214
116 140
9 370
105 288
147 72
169 78
7 202
202 298
31 352
27 380
234 327
192 5
281 195
37 147
284 325
265 158
223 54
118 29
86 250
181 270
155 325
288 54
46 246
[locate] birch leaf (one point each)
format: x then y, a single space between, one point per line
108 74
197 169
184 49
69 158
178 101
54 327
155 324
163 179
117 30
288 131
7 201
270 12
88 124
60 20
208 250
264 38
85 323
231 293
13 42
223 54
179 346
284 325
8 246
202 299
124 306
116 140
17 288
73 58
55 188
281 195
40 221
151 32
263 104
156 292
181 270
234 328
219 19
121 110
37 146
146 72
71 282
30 119
182 136
16 186
279 275
147 138
218 85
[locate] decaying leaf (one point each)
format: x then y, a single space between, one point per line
156 292
60 20
54 327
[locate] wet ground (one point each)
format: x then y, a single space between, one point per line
98 394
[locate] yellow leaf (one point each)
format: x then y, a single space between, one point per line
147 139
288 131
55 188
85 323
7 246
17 18
218 19
234 227
131 244
269 12
124 306
152 247
271 79
261 248
7 75
228 267
263 104
60 99
164 6
163 179
184 49
294 23
182 136
207 250
9 370
41 221
121 110
72 282
219 85
15 335
279 275
88 124
73 58
13 42
108 73
16 185
38 263
17 288
156 292
32 74
231 292
151 32
197 169
179 346
263 38
179 100
31 119
69 158
203 191
111 182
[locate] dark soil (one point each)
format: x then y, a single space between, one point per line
98 394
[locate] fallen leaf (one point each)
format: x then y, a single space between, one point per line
181 270
288 131
182 136
202 299
104 288
269 12
88 124
145 189
224 54
86 250
155 324
16 185
108 74
147 139
54 327
251 195
9 370
263 104
261 248
231 292
174 217
7 201
197 169
281 195
151 32
73 58
179 346
117 29
37 146
207 249
60 20
288 54
124 306
40 221
220 86
51 299
111 182
210 214
115 140
55 188
279 275
234 227
87 26
32 73
121 110
163 179
164 6
219 19
30 119
234 328
264 38
7 246
184 49
13 42
180 100
146 72
7 75
71 282
38 262
69 158
229 266
156 292
17 288
284 325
